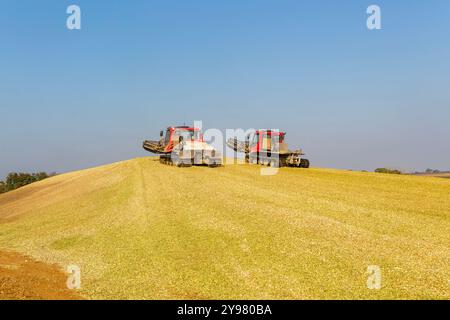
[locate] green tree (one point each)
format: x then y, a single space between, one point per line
40 176
385 170
16 180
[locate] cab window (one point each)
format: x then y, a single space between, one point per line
167 137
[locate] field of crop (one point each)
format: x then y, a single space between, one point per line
139 229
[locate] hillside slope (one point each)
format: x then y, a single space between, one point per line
139 229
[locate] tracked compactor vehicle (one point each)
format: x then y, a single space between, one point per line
267 147
183 146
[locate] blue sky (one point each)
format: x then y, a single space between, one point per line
350 97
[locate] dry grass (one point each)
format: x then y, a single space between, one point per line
140 229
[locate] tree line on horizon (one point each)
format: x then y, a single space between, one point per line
15 180
387 170
396 171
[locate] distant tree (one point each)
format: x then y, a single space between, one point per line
16 180
386 170
40 176
432 171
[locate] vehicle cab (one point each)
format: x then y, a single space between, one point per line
265 140
175 135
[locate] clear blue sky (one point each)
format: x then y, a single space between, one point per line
352 98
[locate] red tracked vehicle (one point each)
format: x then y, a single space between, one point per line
267 147
183 146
